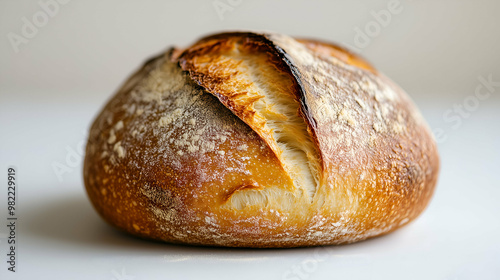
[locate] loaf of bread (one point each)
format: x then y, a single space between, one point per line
259 140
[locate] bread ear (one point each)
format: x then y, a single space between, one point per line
248 75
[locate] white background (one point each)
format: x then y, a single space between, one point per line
53 83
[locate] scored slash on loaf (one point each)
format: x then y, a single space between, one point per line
259 140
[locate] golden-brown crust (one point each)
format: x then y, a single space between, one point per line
337 51
188 157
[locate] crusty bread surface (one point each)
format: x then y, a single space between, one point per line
259 140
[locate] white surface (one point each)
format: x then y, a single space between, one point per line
51 90
61 237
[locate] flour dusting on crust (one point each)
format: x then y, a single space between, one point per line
174 159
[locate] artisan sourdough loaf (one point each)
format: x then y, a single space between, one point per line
259 140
